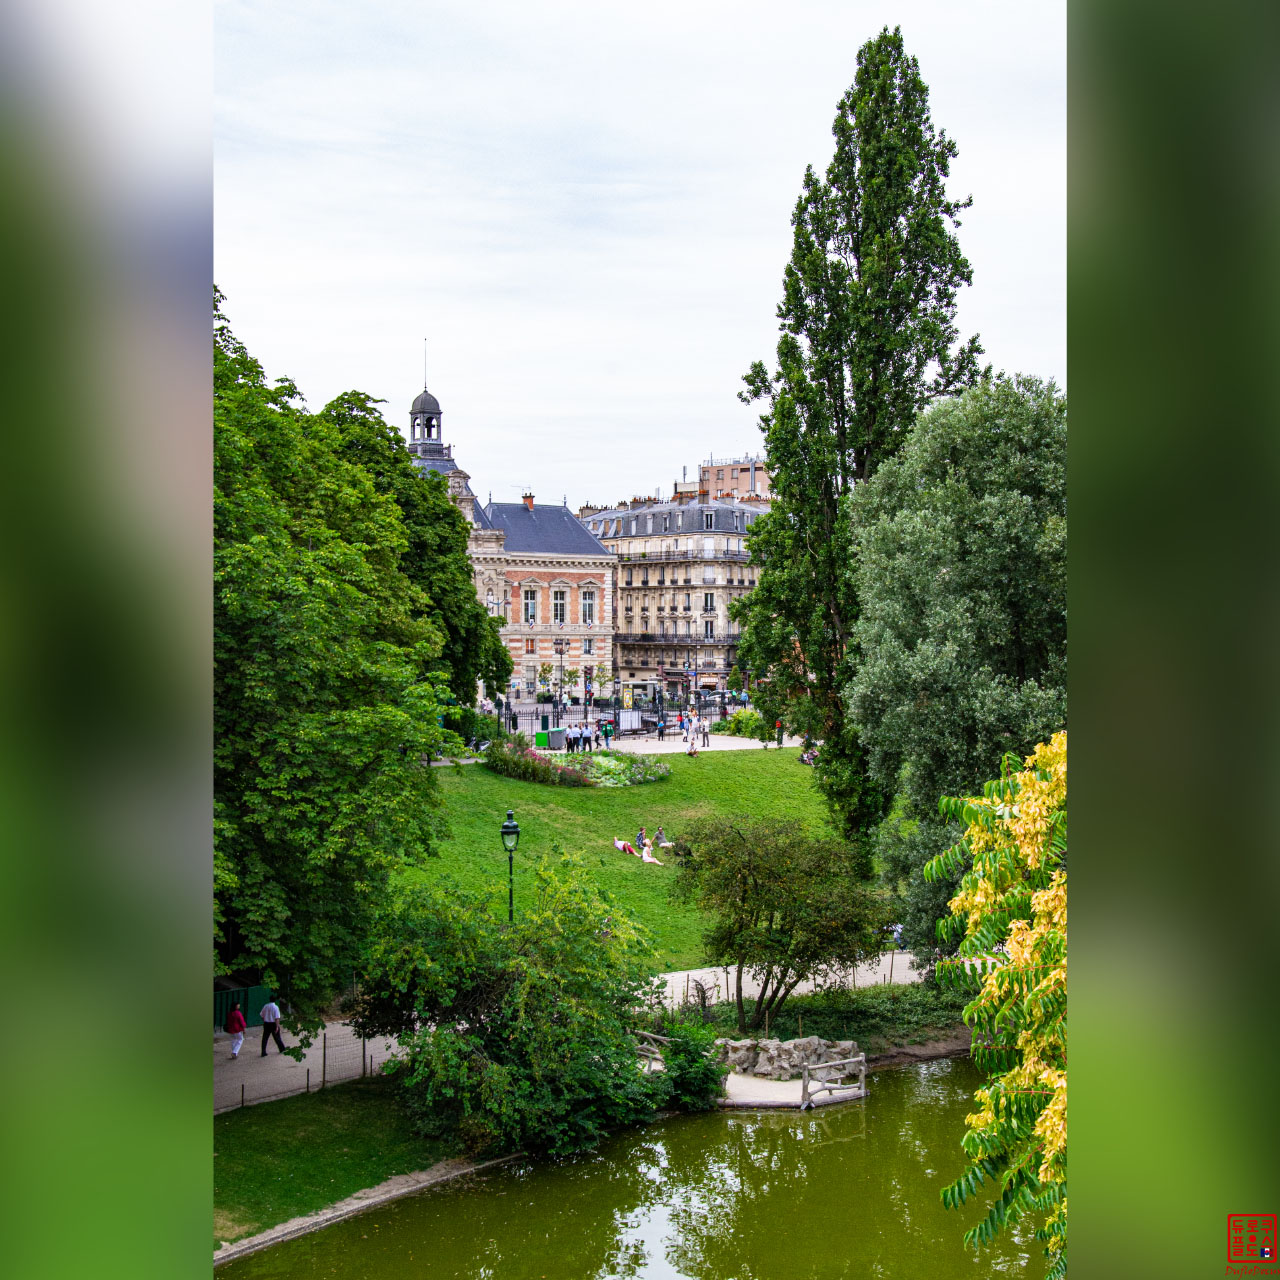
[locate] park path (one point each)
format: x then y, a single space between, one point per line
893 966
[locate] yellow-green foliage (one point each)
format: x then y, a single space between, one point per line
1012 908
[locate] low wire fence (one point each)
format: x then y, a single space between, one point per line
335 1056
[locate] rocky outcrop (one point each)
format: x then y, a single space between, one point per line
783 1059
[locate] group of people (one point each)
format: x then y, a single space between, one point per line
579 737
270 1015
692 727
644 845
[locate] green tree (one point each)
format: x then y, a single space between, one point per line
867 339
514 1036
436 558
961 642
735 679
1010 914
785 906
545 671
325 701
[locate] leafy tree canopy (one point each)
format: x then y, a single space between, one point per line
325 697
961 642
785 906
435 558
515 1036
1011 915
867 340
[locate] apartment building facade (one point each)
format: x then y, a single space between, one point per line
679 567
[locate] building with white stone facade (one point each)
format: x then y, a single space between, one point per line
680 565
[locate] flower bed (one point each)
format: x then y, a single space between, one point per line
619 768
516 759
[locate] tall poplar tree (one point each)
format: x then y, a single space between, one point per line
867 340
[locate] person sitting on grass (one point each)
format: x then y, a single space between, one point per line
660 839
647 853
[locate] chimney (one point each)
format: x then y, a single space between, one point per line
528 500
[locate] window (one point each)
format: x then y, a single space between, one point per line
709 629
708 601
588 646
720 476
530 646
628 577
644 577
688 627
687 603
733 474
557 605
588 607
666 523
708 519
530 604
649 524
634 522
662 575
530 680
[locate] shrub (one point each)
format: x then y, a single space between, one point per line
697 1079
514 1036
743 723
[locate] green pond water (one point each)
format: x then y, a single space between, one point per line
849 1190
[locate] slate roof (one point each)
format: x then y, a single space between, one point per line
727 516
546 528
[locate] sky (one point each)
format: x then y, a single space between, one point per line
585 210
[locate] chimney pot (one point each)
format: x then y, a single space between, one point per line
528 500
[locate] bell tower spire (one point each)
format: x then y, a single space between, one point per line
424 420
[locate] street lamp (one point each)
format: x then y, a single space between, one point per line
560 644
511 838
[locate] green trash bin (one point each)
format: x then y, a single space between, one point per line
540 739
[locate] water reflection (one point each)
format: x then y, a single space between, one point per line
849 1191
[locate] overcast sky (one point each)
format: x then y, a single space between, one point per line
585 210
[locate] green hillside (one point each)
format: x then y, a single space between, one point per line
762 784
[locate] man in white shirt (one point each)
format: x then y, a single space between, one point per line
270 1015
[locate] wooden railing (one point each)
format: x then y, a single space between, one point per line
649 1047
808 1087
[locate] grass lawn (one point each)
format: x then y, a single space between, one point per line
280 1159
584 820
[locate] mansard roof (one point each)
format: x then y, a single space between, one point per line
548 528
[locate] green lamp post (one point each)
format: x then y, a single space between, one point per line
511 838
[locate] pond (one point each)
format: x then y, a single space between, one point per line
844 1191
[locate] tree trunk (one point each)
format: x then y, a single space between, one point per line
742 1013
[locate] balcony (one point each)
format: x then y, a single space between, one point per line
654 557
676 642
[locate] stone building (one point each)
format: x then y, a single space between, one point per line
741 478
534 565
680 564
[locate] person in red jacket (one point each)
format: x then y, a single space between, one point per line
235 1025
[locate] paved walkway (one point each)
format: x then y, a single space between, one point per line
673 744
337 1054
893 966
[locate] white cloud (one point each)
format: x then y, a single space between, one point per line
586 212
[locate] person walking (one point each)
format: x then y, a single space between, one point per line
706 731
235 1026
662 728
597 735
270 1015
608 733
586 735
